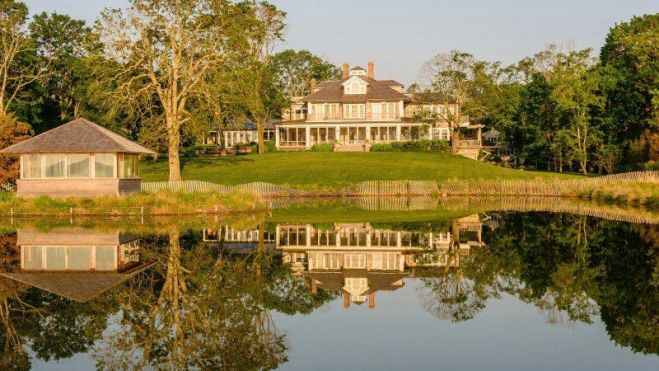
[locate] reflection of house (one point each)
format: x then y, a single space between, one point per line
237 239
360 260
76 264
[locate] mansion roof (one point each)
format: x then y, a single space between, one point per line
332 91
78 136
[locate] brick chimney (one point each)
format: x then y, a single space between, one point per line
371 69
346 300
346 70
371 300
313 85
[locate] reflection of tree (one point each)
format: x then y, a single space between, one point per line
13 350
574 268
450 294
198 313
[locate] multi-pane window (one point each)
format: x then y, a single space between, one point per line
78 166
443 134
32 166
354 111
130 166
54 166
104 165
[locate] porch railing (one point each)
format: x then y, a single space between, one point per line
369 116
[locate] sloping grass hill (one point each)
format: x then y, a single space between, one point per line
333 169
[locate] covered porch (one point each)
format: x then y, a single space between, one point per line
301 137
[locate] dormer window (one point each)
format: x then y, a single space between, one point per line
354 85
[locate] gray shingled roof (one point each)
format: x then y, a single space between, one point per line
78 136
332 91
79 287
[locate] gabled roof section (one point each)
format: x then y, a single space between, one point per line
391 82
78 136
332 91
358 68
431 98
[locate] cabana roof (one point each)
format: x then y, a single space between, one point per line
77 286
78 136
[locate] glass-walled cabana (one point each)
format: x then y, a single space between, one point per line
79 158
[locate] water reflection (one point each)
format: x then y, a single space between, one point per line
77 264
360 259
207 297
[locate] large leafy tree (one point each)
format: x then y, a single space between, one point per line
575 92
296 69
67 45
256 86
450 76
163 51
631 59
18 67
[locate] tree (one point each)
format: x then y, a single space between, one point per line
12 131
261 97
164 49
631 59
17 67
449 75
296 69
575 92
66 44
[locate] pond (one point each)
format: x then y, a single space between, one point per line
336 285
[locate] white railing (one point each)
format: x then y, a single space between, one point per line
370 116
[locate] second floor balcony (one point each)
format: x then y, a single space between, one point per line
352 116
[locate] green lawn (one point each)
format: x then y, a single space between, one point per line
330 168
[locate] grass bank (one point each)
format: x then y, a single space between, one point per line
632 193
336 168
160 203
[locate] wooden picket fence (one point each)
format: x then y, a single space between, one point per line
452 187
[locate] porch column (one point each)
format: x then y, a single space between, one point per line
479 136
308 232
277 137
337 133
368 133
307 135
398 133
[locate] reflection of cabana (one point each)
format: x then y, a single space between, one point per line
79 158
76 264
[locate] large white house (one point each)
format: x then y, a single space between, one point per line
357 111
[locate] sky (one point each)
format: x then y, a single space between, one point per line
398 36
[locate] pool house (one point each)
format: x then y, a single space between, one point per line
79 158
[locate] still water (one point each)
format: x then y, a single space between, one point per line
316 289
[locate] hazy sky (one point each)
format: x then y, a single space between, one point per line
400 35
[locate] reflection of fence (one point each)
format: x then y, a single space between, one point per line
478 187
473 205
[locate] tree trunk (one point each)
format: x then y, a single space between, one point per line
259 134
454 141
174 140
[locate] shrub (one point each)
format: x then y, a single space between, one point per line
382 147
270 146
652 165
437 146
322 147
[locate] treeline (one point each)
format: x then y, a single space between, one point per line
566 109
162 72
